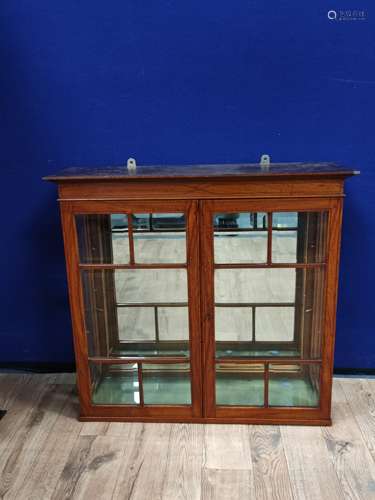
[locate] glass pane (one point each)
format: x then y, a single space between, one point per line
103 239
294 385
173 323
137 312
274 324
100 311
115 384
309 316
234 327
159 238
233 324
158 286
136 324
284 246
299 237
239 385
269 312
153 331
166 384
240 237
255 285
285 220
240 220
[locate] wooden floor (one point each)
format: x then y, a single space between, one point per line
45 453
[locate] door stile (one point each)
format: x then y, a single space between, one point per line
194 298
208 309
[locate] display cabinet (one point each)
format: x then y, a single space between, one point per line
204 293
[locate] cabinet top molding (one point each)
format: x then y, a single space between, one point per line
227 170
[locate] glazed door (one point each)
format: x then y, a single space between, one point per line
265 335
139 338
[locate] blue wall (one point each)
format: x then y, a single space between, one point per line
91 83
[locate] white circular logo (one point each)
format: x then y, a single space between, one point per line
332 15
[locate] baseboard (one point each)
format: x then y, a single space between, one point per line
71 367
354 371
39 367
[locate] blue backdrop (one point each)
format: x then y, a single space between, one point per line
91 83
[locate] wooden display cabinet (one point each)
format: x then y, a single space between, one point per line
204 293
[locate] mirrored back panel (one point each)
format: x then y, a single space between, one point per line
269 282
136 312
147 238
134 278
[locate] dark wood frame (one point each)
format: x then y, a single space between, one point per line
199 197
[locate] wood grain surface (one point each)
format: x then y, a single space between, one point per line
47 454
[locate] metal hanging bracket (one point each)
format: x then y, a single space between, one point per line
131 165
265 160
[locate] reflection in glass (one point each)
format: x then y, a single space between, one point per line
233 324
299 237
269 312
239 385
242 247
240 237
154 222
137 312
173 323
115 384
284 246
136 324
255 285
166 384
153 331
160 286
285 220
294 385
240 220
274 324
103 239
120 239
159 238
162 384
273 328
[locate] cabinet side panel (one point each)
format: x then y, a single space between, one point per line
76 306
334 240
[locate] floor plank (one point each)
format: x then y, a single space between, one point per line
361 399
91 469
310 468
184 463
227 447
46 453
26 396
350 457
222 484
94 428
28 441
10 384
271 475
144 463
42 479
